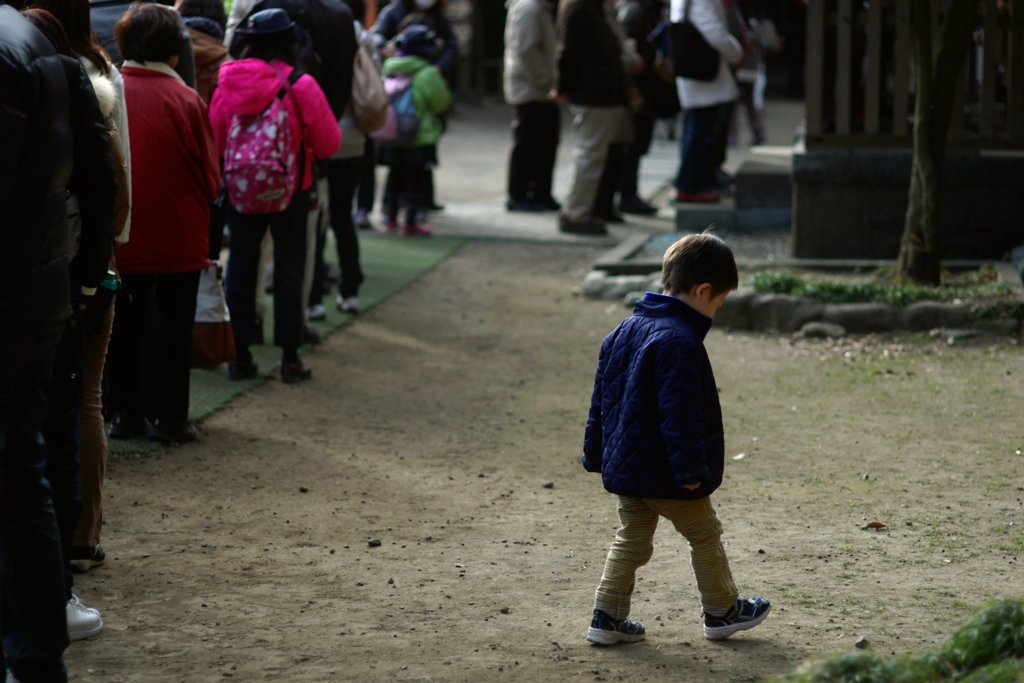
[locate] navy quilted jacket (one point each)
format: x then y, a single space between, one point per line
655 422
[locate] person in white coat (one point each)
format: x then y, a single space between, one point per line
707 105
529 78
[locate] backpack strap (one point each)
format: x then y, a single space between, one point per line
286 88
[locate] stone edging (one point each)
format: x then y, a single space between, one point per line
745 309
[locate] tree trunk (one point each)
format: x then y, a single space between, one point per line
938 61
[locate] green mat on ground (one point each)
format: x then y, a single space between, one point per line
389 264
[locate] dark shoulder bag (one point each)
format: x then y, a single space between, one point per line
692 57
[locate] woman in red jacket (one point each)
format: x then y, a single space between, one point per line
175 178
248 89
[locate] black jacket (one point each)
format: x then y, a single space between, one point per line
390 20
92 180
588 56
327 46
640 18
35 164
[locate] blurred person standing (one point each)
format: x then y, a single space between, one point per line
34 170
206 21
411 162
94 189
74 16
591 78
174 155
707 105
529 80
250 89
642 19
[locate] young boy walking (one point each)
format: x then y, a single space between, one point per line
655 434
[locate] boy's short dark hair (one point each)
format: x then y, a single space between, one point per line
149 33
696 259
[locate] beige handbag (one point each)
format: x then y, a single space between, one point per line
369 101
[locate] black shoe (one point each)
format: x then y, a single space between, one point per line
85 558
613 218
242 369
292 372
525 206
587 226
637 206
549 204
434 206
127 425
173 431
312 336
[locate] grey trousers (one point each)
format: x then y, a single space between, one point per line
595 128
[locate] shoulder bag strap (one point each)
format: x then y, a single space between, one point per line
287 84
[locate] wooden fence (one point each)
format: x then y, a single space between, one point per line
859 79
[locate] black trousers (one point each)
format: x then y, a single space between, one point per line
33 621
63 435
611 178
288 228
133 373
535 132
342 178
643 131
367 176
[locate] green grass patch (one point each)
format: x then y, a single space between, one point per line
988 647
981 289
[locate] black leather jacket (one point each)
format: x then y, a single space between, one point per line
35 164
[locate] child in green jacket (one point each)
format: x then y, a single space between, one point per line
410 165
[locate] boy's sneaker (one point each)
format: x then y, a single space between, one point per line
741 616
83 622
417 230
361 219
85 558
604 630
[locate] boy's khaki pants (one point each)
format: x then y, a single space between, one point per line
634 545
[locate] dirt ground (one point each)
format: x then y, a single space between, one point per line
447 423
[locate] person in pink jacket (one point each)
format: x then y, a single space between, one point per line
246 88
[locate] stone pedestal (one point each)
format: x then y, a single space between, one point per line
852 203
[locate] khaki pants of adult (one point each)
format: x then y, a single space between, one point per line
634 545
595 128
316 223
92 451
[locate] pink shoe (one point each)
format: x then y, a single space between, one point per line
417 230
391 227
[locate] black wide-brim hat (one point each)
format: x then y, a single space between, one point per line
267 22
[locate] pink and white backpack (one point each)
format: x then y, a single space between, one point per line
262 171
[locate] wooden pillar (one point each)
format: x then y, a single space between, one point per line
844 66
873 86
815 69
901 76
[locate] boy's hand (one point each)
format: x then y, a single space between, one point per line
691 487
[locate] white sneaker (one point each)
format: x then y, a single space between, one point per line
348 304
83 622
317 312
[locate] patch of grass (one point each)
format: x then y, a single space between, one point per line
989 297
987 648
